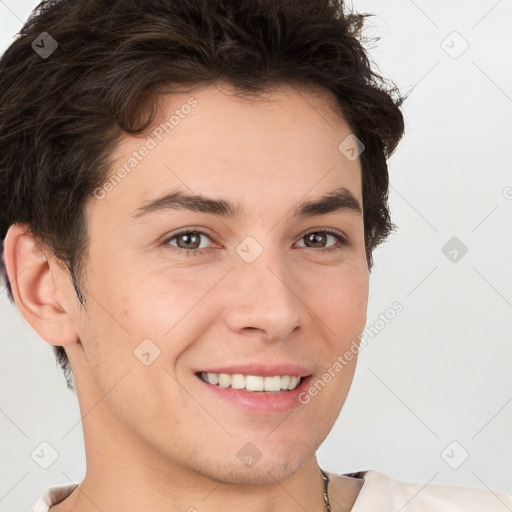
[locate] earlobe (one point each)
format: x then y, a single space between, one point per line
35 287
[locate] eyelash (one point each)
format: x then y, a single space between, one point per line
199 252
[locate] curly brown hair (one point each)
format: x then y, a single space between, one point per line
63 114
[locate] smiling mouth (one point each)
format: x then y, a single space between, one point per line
252 383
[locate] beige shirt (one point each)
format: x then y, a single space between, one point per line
380 493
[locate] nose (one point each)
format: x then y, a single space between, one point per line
263 297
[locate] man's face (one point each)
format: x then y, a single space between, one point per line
228 291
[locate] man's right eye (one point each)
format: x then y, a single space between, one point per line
187 240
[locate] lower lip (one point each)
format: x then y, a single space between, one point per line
260 401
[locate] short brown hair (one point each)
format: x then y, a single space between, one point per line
62 115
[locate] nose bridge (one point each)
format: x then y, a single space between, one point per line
264 296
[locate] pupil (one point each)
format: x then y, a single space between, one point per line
189 239
316 238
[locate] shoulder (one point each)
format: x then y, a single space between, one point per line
52 496
383 493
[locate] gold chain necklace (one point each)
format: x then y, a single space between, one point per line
325 478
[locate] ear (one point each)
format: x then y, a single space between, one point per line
36 285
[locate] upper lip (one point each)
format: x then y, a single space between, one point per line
261 369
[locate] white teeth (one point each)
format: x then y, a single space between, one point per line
224 380
254 383
238 381
285 381
213 378
294 382
273 384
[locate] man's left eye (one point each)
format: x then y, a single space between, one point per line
313 237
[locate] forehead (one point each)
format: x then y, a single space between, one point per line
220 108
214 140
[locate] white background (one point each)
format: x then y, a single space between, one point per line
440 371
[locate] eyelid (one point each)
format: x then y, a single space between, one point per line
331 231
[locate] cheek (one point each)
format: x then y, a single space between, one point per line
341 306
158 315
339 297
168 302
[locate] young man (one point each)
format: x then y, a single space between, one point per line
191 194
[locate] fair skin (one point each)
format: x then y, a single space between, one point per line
157 437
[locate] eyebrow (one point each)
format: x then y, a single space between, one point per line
339 200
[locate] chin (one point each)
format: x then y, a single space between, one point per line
254 467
